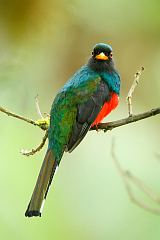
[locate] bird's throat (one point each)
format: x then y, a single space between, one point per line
101 65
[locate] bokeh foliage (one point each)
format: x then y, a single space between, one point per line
41 44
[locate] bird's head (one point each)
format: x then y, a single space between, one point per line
102 52
101 59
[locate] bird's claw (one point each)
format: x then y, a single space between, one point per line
97 129
43 123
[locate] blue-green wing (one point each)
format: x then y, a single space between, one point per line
65 106
87 113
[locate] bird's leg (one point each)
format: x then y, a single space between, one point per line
97 129
43 123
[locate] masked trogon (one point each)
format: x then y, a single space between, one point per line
89 96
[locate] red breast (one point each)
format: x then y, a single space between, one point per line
107 108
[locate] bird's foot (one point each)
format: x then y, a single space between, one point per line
43 123
97 129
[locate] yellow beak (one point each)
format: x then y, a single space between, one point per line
101 56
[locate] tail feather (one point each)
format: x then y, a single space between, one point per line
42 186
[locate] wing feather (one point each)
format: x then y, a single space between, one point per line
87 113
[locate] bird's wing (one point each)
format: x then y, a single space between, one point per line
66 106
74 110
87 113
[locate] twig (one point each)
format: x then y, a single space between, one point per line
143 187
126 177
140 203
134 85
17 116
33 151
39 123
38 108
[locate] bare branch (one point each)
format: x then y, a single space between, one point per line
134 85
127 177
140 203
124 121
33 151
17 116
143 187
42 123
38 107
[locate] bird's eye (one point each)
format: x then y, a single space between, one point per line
92 53
111 55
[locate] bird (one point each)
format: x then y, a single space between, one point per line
82 103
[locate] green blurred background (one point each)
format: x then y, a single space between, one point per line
41 44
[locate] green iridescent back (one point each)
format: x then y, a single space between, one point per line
64 108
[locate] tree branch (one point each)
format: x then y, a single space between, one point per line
130 93
124 121
43 123
35 150
128 178
17 116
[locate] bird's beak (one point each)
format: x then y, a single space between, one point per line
101 56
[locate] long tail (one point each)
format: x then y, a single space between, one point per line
42 186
